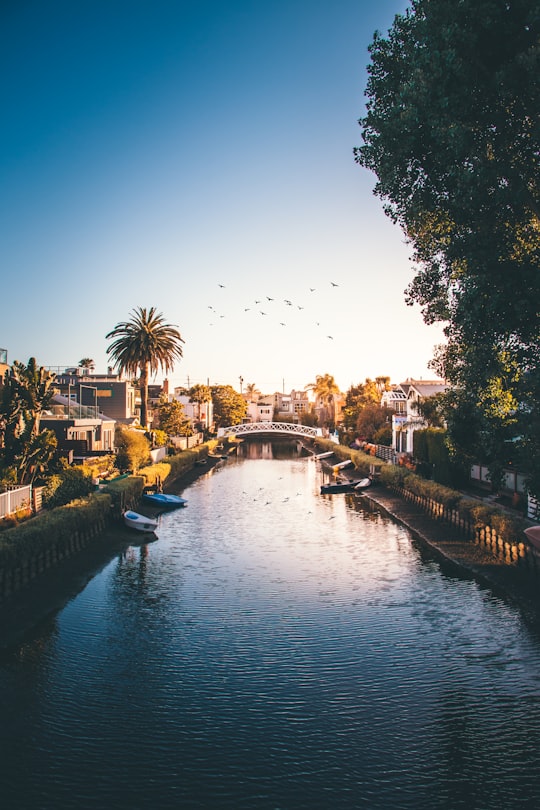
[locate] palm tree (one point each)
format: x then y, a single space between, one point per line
252 392
87 364
27 392
199 394
325 390
144 344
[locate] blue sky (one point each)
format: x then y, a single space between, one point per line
152 151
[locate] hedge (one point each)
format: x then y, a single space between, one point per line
54 529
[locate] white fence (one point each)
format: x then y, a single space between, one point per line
14 499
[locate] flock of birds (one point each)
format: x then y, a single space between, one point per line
272 303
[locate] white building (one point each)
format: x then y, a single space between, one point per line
198 413
404 400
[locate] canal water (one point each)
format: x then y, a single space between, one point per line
274 648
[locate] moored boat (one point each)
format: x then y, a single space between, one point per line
363 484
337 486
533 536
164 500
141 523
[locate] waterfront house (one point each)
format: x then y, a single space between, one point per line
81 430
404 399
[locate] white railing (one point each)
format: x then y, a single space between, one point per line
13 499
269 427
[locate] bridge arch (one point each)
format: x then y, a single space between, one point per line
283 428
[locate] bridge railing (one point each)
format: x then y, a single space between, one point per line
248 428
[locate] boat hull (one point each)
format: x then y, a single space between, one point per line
140 523
163 500
331 489
533 536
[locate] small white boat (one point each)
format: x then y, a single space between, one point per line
363 484
533 536
324 455
343 464
139 522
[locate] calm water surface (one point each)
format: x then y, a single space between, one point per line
274 648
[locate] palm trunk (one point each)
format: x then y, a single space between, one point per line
143 388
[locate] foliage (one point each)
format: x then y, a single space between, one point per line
72 483
87 364
252 392
200 394
360 396
229 406
372 419
124 491
52 530
172 419
383 436
451 132
100 466
144 344
325 390
27 392
431 409
133 449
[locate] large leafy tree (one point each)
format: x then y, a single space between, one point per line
229 406
143 345
172 419
361 396
27 392
452 133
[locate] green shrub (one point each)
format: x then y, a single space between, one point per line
66 486
51 529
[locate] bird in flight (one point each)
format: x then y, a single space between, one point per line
334 284
222 286
262 313
289 303
246 309
312 289
330 337
268 298
282 324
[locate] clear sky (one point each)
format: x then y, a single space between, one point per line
154 150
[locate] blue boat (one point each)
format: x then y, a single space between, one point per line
164 500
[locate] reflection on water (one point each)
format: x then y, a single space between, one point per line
275 648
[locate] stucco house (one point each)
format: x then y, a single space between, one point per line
404 399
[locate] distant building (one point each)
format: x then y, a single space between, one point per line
198 413
112 395
80 430
291 407
404 399
3 364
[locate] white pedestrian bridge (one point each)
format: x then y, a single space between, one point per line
283 428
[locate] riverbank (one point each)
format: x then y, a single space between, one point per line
29 611
518 584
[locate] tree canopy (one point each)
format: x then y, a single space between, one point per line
27 392
452 133
229 406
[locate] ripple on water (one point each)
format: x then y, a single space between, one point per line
276 648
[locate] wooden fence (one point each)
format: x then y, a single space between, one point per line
513 552
14 499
